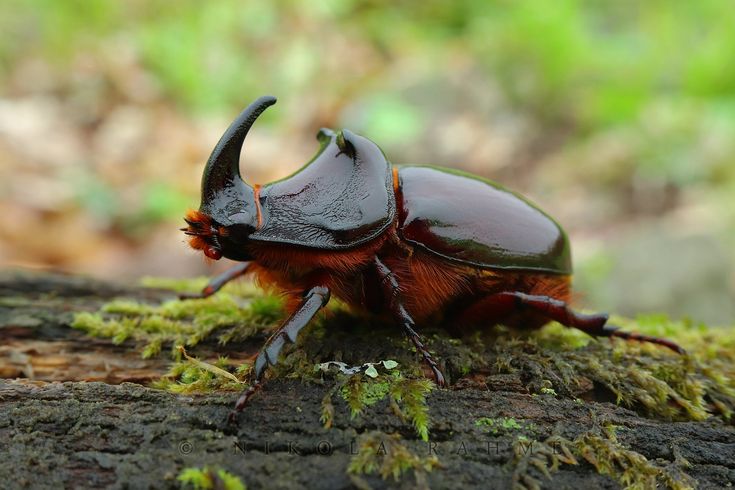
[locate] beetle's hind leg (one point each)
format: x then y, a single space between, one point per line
217 282
614 331
391 291
313 301
508 303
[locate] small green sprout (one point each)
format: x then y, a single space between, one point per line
209 479
503 425
385 455
363 386
195 376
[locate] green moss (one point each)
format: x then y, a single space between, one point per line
181 322
546 388
504 425
600 448
209 479
558 360
387 456
361 392
553 361
194 376
266 309
561 362
632 470
297 360
462 356
327 417
544 456
366 387
238 288
409 397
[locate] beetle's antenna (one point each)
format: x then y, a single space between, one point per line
199 224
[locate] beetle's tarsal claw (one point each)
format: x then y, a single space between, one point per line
232 418
614 331
245 397
439 379
344 144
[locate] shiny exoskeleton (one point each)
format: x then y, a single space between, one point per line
412 243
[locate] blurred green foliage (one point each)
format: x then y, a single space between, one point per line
600 62
586 65
612 112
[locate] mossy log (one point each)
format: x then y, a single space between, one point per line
78 411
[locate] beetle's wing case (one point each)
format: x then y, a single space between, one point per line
475 221
343 197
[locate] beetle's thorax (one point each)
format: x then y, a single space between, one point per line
338 201
343 198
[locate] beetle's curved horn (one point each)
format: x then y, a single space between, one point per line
223 167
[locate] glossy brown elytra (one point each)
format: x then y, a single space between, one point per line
413 242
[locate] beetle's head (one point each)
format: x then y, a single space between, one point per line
228 213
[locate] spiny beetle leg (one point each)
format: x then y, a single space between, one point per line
313 300
243 401
614 331
594 325
391 290
416 339
217 282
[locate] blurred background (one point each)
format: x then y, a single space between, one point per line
617 118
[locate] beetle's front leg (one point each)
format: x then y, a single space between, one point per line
391 290
314 300
217 282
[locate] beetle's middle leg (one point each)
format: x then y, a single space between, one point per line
314 300
217 282
391 291
508 303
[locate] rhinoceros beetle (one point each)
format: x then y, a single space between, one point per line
410 242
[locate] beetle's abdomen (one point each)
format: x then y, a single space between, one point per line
475 221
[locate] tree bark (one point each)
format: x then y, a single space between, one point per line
76 413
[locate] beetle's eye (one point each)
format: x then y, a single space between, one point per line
213 253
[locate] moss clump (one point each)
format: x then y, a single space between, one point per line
387 456
194 376
409 398
600 448
363 387
360 392
544 456
237 288
545 390
209 479
504 425
557 360
181 322
553 361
